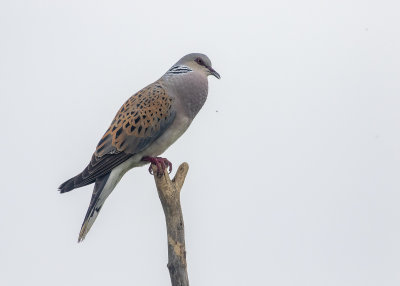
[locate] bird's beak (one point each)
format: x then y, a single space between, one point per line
214 73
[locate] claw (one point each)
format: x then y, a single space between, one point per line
161 164
150 170
169 166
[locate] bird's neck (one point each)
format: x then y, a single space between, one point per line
191 91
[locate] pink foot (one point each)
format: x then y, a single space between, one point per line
161 163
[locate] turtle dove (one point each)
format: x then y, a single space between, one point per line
144 127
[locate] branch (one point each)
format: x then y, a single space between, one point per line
169 194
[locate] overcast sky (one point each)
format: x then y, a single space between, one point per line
294 160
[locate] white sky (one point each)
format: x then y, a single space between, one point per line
294 160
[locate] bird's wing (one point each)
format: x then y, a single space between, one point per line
142 119
138 123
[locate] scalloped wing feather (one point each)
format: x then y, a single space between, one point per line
141 120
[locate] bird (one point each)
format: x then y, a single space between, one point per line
148 123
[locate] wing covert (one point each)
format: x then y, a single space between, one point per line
141 120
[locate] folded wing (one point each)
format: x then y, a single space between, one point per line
139 122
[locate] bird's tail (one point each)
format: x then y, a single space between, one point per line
100 193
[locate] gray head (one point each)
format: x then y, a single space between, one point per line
200 63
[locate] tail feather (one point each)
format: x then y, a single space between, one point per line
98 197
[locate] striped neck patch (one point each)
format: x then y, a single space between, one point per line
178 70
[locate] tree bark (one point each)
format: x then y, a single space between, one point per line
169 194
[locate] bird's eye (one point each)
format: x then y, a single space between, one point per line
199 61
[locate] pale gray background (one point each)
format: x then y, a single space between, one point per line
294 160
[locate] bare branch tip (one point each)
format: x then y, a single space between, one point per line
184 165
180 175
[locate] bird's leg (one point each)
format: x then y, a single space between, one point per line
161 164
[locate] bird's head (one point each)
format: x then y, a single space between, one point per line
199 63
